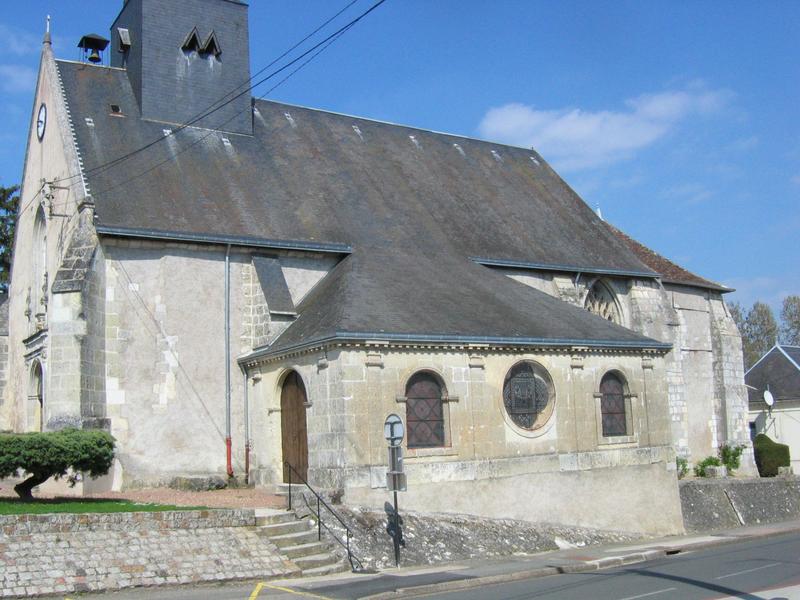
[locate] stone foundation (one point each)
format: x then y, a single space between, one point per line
58 554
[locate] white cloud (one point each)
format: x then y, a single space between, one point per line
20 43
691 193
575 139
744 144
17 78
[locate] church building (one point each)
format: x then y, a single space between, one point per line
249 288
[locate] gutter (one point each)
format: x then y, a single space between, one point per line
344 336
228 240
519 264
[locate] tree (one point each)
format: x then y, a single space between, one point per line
53 454
760 333
9 205
738 315
790 321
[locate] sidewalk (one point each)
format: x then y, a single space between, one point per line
412 581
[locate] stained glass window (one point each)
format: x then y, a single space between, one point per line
528 395
424 412
612 406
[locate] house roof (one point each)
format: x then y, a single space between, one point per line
670 272
412 205
779 371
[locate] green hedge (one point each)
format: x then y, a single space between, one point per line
53 454
770 455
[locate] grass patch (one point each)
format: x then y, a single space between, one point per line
13 506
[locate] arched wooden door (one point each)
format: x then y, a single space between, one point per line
294 435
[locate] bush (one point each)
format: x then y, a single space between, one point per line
52 454
770 455
683 466
709 461
731 457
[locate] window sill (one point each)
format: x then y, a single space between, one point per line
622 440
412 453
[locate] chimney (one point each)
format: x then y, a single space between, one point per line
183 56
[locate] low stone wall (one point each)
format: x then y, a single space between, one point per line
437 538
58 554
709 504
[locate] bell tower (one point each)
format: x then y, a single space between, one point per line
182 56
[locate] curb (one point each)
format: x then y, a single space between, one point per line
473 582
579 567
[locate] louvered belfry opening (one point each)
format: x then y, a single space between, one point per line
424 412
612 406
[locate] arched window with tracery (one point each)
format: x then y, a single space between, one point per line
425 411
601 301
612 406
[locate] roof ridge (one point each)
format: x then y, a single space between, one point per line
404 126
767 353
789 358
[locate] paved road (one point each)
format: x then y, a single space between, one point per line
758 569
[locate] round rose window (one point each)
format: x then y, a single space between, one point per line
528 395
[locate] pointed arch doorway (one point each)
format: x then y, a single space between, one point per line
35 399
294 434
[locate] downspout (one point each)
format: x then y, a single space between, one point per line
246 429
228 443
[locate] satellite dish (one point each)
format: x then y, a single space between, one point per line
768 399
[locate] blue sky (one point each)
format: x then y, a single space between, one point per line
680 120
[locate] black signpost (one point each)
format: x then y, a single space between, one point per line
394 433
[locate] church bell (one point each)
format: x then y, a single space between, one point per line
93 45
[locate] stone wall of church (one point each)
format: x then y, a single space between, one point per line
164 351
165 342
704 371
487 459
3 372
38 321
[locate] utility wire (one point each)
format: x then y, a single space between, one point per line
215 131
323 44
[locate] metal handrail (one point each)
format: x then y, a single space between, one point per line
352 558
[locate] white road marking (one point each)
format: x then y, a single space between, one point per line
649 594
748 571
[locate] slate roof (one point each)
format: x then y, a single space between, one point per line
780 370
375 294
670 272
412 205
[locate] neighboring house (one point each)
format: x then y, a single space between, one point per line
778 372
268 284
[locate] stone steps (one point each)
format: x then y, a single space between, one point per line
297 539
304 549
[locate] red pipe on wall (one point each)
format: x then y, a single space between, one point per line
247 462
228 459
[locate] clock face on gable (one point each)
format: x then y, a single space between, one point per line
41 121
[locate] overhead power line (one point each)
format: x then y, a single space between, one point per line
322 44
214 131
